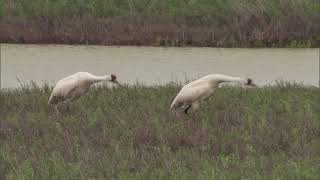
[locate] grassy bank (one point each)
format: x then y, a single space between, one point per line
128 133
219 23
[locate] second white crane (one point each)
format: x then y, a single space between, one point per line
196 91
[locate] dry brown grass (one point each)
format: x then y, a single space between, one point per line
218 24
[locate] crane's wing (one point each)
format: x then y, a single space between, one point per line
63 89
193 93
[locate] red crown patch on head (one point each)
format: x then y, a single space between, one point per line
113 77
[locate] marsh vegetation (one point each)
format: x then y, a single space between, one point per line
129 133
219 23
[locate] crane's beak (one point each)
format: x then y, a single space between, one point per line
252 85
117 83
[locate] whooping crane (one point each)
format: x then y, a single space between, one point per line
72 87
193 93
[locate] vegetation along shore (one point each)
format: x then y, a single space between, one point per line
219 23
128 132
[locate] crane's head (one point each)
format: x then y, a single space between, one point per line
249 83
114 79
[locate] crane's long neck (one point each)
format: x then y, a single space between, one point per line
95 79
223 78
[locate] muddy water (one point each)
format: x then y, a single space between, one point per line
155 65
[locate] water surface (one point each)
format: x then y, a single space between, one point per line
154 65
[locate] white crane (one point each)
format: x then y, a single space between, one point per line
72 87
196 91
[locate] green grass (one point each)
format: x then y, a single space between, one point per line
227 23
128 133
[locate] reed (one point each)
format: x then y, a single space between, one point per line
219 23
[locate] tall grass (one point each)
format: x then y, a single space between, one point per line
128 133
235 23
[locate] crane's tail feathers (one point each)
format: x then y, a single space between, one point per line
174 106
53 100
50 101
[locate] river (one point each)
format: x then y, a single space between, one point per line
155 65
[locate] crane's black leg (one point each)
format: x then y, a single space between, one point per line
186 110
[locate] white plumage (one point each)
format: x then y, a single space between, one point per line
196 91
75 85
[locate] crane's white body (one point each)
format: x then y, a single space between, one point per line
74 86
196 91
